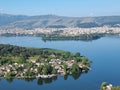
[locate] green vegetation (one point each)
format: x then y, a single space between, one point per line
105 86
23 62
85 37
116 88
56 36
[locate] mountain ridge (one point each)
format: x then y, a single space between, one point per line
8 21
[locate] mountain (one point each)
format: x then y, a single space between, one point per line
54 21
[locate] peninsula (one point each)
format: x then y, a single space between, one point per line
22 62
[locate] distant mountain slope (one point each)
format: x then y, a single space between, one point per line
53 21
7 19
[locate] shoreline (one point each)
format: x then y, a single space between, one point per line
43 76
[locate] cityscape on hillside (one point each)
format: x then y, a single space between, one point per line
53 27
62 31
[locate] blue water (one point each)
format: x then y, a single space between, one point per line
104 52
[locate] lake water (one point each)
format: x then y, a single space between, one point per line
104 52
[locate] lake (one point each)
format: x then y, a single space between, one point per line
104 52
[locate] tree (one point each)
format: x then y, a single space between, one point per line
54 71
10 75
77 54
103 86
65 68
39 69
29 73
45 71
84 60
75 68
67 54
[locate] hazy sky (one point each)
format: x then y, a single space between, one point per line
76 8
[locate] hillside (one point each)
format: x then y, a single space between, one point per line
53 21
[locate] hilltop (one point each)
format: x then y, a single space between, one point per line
54 21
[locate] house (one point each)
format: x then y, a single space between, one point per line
109 87
69 63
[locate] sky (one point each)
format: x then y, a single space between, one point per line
72 8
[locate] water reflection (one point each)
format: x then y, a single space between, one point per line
76 75
42 81
29 79
9 80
